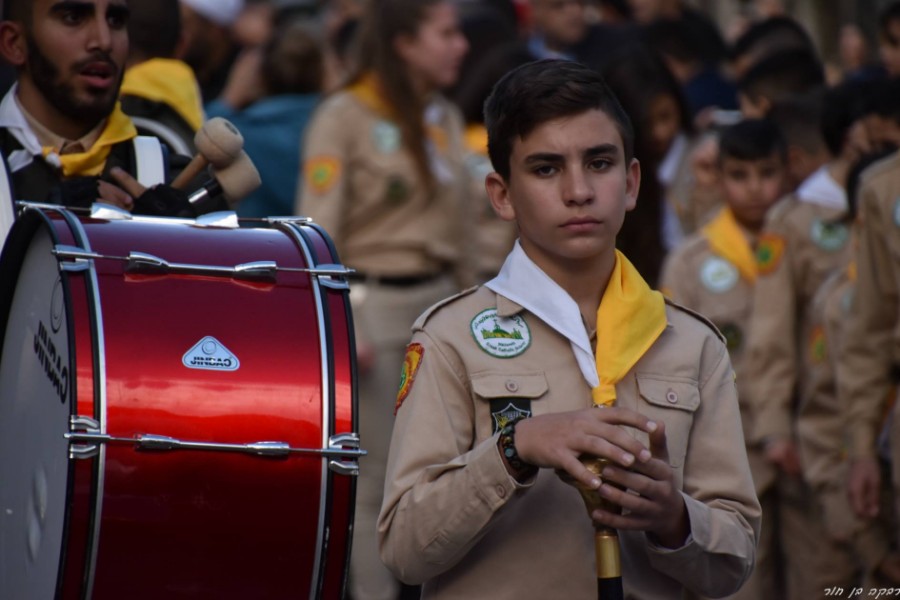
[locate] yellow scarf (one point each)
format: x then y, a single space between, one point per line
728 240
368 91
167 81
119 128
630 318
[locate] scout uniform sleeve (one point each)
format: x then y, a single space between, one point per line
865 365
322 191
718 490
440 492
676 281
771 359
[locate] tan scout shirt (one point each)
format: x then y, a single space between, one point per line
801 250
361 184
872 339
696 277
454 520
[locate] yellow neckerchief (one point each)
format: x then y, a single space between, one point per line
852 271
368 91
119 128
476 139
168 81
728 240
630 318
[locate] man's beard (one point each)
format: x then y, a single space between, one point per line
61 95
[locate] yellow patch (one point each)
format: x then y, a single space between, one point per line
414 354
321 173
769 251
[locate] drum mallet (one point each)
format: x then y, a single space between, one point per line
233 183
219 143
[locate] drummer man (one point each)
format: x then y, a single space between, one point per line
499 382
62 133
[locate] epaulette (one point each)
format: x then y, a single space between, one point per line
697 316
423 318
781 208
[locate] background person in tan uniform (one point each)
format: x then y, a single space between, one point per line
499 383
384 175
713 273
803 242
871 350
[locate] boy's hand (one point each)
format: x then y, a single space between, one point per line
652 502
557 440
783 454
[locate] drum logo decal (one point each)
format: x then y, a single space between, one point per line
210 354
55 365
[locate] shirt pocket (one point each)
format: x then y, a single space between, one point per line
503 397
673 402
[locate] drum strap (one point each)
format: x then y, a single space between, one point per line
143 156
7 211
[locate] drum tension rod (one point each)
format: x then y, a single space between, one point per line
141 262
85 430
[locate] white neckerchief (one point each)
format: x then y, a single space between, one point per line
527 285
821 188
12 119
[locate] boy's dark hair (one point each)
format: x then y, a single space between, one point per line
783 74
769 36
843 105
541 91
883 98
751 139
798 118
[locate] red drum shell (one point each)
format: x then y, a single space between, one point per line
200 523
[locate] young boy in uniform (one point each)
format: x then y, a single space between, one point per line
500 385
713 273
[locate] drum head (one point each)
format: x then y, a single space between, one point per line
35 400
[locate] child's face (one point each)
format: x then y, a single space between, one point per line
568 190
750 187
889 47
663 123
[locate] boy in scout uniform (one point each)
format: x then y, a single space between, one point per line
803 242
501 387
713 273
867 371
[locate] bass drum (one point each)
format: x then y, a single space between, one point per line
177 409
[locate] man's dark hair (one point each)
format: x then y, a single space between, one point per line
292 60
783 74
752 139
154 27
541 91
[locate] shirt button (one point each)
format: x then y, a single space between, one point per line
671 396
501 491
512 386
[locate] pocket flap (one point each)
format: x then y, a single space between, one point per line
508 385
666 393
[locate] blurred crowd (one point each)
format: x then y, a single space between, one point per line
769 203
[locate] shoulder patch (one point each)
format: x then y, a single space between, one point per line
414 355
769 251
423 318
699 317
321 173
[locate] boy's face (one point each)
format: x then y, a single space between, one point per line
568 191
889 47
751 187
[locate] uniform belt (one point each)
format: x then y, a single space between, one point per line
395 280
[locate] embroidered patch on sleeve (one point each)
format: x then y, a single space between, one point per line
321 173
769 251
818 348
414 354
